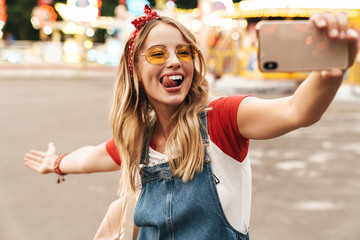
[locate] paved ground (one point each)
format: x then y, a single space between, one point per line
306 184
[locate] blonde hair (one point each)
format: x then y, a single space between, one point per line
132 117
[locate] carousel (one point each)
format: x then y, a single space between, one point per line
226 31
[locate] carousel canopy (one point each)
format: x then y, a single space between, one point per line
290 8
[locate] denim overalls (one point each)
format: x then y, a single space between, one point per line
170 209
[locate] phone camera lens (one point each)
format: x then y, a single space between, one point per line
270 65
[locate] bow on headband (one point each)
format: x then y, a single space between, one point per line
139 23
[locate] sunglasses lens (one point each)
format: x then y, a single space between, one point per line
186 52
156 55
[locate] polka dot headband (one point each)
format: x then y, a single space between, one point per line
139 23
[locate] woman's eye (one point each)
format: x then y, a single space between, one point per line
184 53
157 54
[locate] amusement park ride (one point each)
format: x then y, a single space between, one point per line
80 21
3 16
226 31
243 61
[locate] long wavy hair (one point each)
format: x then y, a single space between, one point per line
132 117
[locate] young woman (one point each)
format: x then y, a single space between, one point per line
186 152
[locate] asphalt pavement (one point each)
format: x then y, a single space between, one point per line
306 184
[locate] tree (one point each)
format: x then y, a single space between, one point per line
18 22
186 4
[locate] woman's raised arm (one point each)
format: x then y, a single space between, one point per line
263 119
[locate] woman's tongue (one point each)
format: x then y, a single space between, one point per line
168 83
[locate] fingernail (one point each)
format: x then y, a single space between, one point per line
322 23
334 33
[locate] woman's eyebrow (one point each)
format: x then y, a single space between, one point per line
157 45
160 45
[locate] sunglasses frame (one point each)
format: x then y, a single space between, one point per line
192 46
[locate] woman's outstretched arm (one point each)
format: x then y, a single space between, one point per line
264 119
89 159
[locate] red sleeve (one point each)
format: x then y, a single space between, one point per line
113 152
223 130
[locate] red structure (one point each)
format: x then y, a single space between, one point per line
45 12
47 2
3 14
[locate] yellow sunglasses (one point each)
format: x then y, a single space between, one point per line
158 54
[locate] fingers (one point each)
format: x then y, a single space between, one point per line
34 159
33 162
332 25
37 153
336 25
337 28
353 38
51 148
343 24
319 20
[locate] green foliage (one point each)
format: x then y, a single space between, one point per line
190 4
18 22
186 4
108 7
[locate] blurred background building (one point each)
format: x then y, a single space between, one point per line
93 32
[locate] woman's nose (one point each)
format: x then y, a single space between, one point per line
173 60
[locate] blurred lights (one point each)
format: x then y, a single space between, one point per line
47 30
12 57
93 2
307 4
243 23
90 32
170 5
71 52
80 29
110 30
70 46
235 36
35 22
71 11
91 55
294 8
226 23
101 59
195 12
196 25
69 28
114 49
88 44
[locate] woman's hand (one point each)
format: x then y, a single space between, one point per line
337 28
41 162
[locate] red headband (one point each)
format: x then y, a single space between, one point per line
139 23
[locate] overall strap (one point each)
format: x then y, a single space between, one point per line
145 151
204 127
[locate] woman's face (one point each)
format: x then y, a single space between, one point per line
166 84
